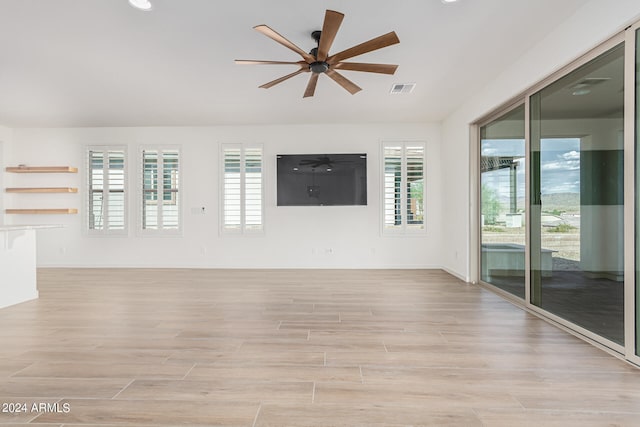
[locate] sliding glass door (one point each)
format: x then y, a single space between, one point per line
502 201
577 207
563 236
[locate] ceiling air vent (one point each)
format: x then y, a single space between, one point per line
399 88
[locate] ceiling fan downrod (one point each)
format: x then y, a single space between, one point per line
317 67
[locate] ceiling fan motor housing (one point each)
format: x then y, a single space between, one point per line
319 67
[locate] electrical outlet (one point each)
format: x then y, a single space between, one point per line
201 210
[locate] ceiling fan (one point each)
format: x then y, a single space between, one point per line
321 161
318 61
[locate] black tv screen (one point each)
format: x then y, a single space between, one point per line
322 179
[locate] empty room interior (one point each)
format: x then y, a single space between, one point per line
284 213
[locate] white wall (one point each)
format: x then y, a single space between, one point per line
6 136
596 22
295 237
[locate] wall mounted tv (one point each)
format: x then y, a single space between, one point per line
322 179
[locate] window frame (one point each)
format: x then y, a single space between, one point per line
106 232
176 195
242 229
404 229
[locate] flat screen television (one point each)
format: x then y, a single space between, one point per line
322 179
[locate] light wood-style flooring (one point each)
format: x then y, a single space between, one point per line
158 347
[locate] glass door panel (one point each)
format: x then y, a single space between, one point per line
577 209
502 201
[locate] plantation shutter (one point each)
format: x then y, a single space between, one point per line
403 187
106 190
414 159
160 189
392 187
253 189
242 189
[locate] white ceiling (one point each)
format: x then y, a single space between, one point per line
102 63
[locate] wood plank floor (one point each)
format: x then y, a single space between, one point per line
296 348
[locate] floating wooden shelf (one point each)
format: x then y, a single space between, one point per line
42 169
42 211
42 190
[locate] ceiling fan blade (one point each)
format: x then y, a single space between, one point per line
272 34
350 86
281 79
368 46
369 68
311 86
258 62
330 27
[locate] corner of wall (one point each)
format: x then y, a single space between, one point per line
6 137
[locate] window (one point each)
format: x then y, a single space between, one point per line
502 201
106 190
160 190
242 189
403 187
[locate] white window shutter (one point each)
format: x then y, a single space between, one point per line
403 187
106 190
242 189
161 202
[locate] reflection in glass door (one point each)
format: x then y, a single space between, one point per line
502 200
577 248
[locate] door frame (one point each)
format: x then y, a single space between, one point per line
629 349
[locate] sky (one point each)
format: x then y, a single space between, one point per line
559 159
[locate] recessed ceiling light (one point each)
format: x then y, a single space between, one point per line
141 4
584 86
581 91
449 1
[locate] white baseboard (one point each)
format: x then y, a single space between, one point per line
253 267
460 276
